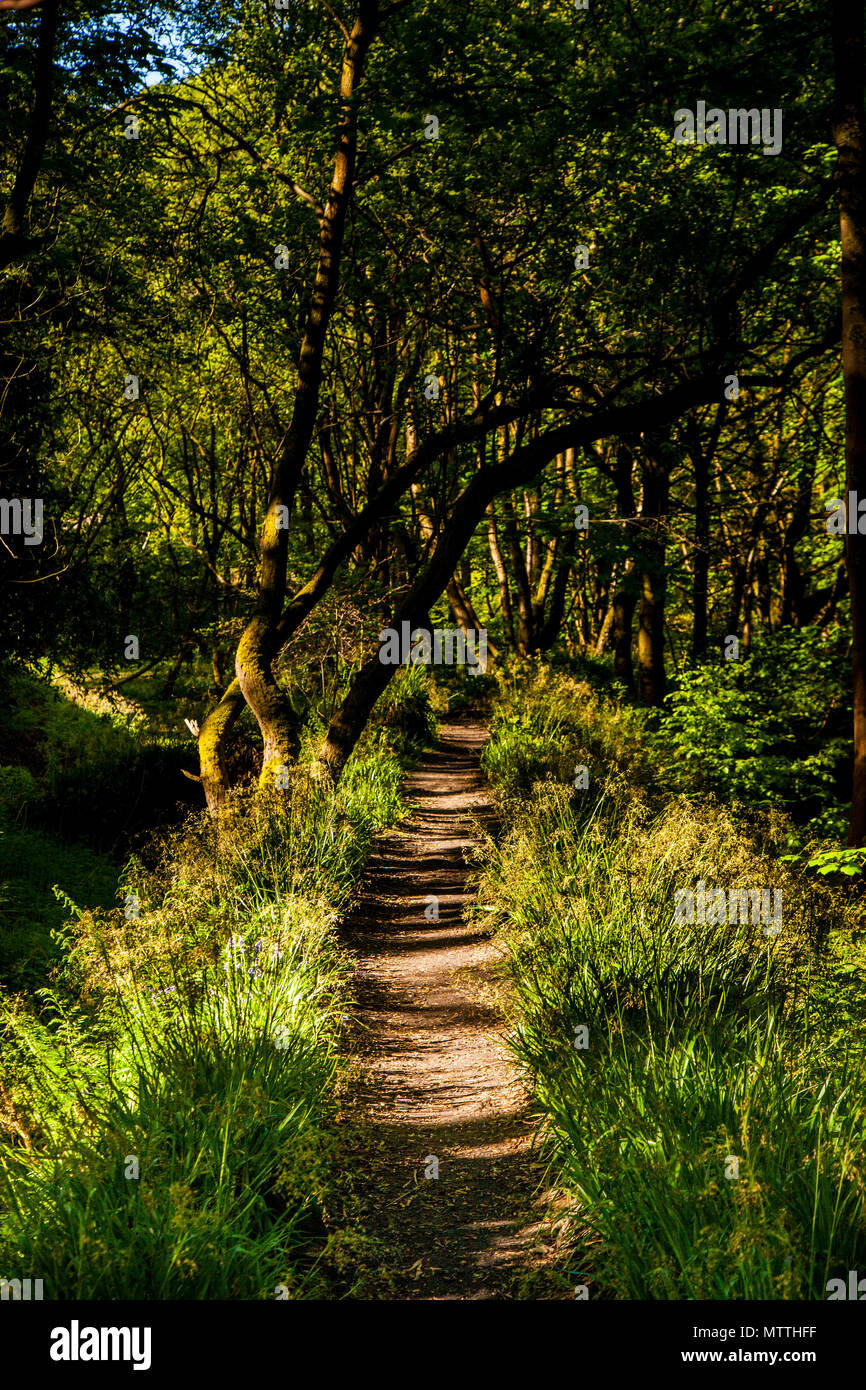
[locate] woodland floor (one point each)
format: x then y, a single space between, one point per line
435 1076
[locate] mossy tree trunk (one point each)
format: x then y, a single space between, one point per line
487 416
259 644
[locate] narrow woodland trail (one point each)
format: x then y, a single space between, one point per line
437 1081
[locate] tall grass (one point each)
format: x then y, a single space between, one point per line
710 1120
165 1119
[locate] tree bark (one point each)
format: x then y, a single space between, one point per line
606 628
624 599
549 628
211 746
701 577
14 242
624 604
258 646
462 607
848 131
526 642
501 578
702 455
651 678
793 584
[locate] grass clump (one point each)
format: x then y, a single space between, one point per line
166 1114
700 1084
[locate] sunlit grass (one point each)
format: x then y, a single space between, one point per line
709 1122
165 1122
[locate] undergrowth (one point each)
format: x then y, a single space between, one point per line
700 1085
167 1097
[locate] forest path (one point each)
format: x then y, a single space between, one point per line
436 1078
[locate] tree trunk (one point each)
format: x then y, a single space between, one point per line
217 725
624 603
607 624
461 606
211 746
748 606
624 599
259 645
651 679
217 666
793 585
501 578
737 587
525 618
14 242
701 579
702 454
848 123
549 629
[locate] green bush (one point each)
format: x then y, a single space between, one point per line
406 707
770 729
546 724
31 863
88 771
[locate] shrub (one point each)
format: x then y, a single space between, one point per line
770 729
406 706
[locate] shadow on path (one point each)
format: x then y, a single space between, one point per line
438 1082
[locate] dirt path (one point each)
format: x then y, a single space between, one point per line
437 1081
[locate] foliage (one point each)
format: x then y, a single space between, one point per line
765 730
201 1037
407 706
88 769
703 1043
545 723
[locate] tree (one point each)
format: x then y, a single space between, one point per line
848 136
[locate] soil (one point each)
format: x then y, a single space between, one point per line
437 1084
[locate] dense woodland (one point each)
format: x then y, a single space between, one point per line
323 317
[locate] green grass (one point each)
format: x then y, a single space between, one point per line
703 1044
74 776
185 1158
192 1037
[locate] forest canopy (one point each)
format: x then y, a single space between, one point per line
304 305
